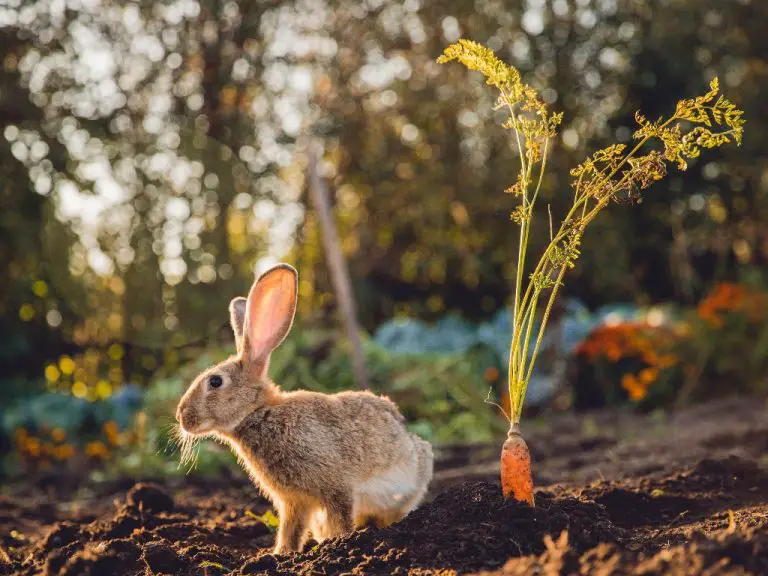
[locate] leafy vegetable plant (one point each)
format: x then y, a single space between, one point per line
615 173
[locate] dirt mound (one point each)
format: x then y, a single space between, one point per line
146 533
711 518
739 552
699 511
470 528
465 528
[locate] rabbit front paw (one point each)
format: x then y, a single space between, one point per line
292 531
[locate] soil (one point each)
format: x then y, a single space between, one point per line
618 493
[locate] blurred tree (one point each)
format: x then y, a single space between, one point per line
713 211
27 304
147 155
420 162
167 201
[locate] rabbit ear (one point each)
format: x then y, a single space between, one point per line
269 315
237 320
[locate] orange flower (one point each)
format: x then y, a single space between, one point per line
32 446
112 432
613 352
648 376
728 297
97 449
707 314
617 342
650 357
633 387
64 452
58 435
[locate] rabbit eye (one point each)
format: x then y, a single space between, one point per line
215 381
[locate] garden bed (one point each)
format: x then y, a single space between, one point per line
637 494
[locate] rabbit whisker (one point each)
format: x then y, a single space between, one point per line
187 444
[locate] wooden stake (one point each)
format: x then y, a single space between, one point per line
342 285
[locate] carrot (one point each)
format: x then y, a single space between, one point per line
516 479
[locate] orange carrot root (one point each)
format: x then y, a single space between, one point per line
516 479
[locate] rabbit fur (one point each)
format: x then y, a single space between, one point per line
328 462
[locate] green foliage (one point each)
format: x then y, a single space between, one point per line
268 519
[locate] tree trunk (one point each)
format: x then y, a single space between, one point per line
342 286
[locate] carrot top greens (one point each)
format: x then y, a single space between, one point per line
617 172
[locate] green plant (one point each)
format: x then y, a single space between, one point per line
209 564
614 173
268 519
726 341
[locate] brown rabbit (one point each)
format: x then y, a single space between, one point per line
328 462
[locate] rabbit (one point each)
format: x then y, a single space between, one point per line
330 463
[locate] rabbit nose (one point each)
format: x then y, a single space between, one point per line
178 413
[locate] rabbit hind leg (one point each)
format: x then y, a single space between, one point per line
339 514
291 534
318 524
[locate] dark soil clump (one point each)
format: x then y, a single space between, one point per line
161 558
149 498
